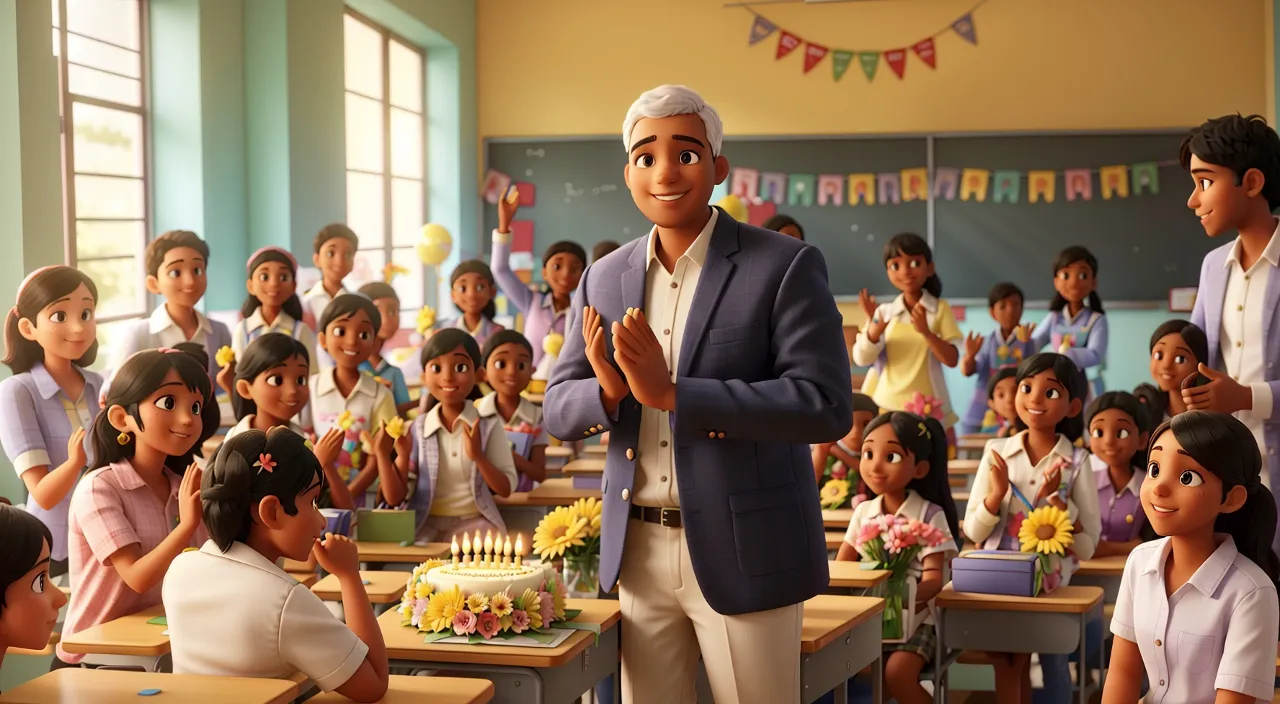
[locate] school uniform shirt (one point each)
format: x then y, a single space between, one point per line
38 420
997 353
390 377
254 326
370 404
992 531
315 300
903 361
445 482
284 628
913 506
1217 631
113 508
1082 338
246 423
159 330
481 333
528 415
540 315
1120 511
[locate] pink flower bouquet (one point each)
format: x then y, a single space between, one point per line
924 406
892 543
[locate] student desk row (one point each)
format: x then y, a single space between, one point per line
553 492
118 687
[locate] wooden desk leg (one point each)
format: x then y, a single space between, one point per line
163 663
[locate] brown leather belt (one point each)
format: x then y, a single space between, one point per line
668 517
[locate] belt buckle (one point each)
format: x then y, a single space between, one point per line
669 517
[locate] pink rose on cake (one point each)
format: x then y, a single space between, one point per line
487 625
519 621
464 623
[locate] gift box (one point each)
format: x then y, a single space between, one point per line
995 572
337 520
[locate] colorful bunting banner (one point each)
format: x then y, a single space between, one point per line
870 61
964 27
1041 186
1079 184
924 49
915 184
973 184
801 190
813 54
840 60
897 60
773 187
1114 180
745 183
862 189
946 181
761 29
831 189
787 43
1008 185
890 190
1146 177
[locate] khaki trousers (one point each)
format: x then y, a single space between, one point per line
750 658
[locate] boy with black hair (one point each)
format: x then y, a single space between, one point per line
177 271
1008 345
335 256
601 249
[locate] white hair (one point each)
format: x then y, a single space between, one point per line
669 101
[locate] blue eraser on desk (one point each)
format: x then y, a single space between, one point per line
365 582
148 692
406 543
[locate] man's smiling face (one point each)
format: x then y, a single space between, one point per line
670 169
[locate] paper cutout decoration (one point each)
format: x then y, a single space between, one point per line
759 213
870 61
973 184
945 182
495 184
787 43
521 235
528 194
773 187
1146 177
964 27
521 261
915 184
925 50
1114 181
831 189
890 189
1041 185
1078 184
1008 186
761 29
801 190
862 189
745 183
813 54
897 60
840 60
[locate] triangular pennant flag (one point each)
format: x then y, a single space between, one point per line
761 29
925 50
840 60
897 60
870 62
813 53
964 27
787 43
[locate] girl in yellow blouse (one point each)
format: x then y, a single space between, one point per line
907 341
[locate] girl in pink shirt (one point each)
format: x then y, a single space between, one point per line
140 507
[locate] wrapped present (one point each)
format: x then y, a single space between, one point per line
996 572
337 520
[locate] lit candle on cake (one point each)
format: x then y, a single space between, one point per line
479 554
453 547
519 548
488 550
466 548
506 553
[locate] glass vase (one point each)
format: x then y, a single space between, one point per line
899 601
582 575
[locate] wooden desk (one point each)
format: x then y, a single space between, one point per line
118 687
969 445
837 517
558 455
382 587
1104 572
595 450
585 467
129 636
402 689
397 553
306 579
963 467
555 675
839 636
961 498
553 492
834 540
850 575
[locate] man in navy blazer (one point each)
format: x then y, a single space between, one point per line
713 353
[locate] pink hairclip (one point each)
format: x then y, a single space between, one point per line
168 350
249 265
22 286
265 463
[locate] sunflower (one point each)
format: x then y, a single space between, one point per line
589 509
500 604
558 531
532 606
835 493
442 608
1046 530
477 602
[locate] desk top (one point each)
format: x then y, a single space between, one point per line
834 539
974 442
850 575
406 643
585 466
306 579
963 467
211 445
961 498
827 617
837 517
595 450
395 552
402 689
553 492
382 587
559 452
1068 600
119 687
127 635
1112 566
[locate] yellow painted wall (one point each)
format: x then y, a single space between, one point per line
571 67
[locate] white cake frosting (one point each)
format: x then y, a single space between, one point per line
489 580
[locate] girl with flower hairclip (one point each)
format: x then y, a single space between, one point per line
271 306
259 496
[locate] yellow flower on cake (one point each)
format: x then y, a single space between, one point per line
533 607
500 604
834 493
557 532
589 509
443 607
477 603
423 590
557 597
1046 530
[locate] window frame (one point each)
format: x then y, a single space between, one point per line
386 244
66 102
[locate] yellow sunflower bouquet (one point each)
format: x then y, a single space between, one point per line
572 534
1047 532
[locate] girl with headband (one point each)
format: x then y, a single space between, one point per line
271 306
50 338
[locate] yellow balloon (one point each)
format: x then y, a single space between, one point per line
434 245
735 207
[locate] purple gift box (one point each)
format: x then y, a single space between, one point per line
995 572
588 482
337 520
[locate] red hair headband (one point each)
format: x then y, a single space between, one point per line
249 265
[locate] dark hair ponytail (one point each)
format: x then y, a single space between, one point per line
475 266
1156 403
43 287
926 439
913 245
444 342
1067 374
266 352
1225 446
292 306
1066 258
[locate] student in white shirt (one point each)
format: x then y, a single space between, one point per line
1038 465
1197 610
335 257
233 612
456 460
904 461
507 366
271 306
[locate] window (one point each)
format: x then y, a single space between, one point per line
100 51
385 156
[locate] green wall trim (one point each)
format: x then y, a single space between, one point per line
266 83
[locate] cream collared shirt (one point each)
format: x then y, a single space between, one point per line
1243 313
370 404
284 628
255 326
455 475
668 296
316 299
246 423
161 331
527 412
